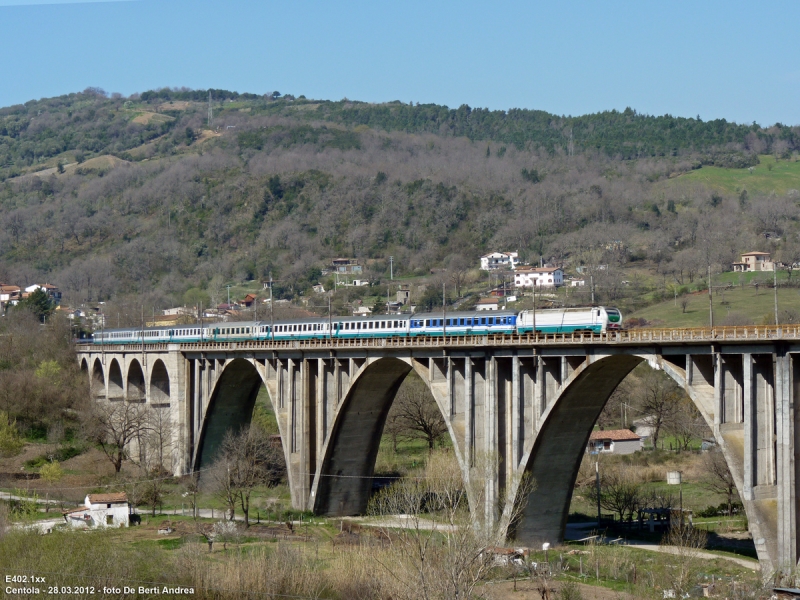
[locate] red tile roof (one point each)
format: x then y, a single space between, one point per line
615 435
108 498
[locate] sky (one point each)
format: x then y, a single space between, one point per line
716 59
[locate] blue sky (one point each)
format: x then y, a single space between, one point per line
733 60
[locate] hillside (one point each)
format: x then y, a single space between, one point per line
141 201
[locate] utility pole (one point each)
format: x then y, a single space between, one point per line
444 310
210 110
597 482
391 268
710 300
534 307
775 288
229 296
591 283
330 316
271 310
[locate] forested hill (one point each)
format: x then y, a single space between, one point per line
142 196
91 122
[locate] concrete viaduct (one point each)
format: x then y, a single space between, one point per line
513 404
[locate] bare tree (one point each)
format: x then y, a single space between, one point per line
414 413
620 492
659 398
446 553
718 477
114 425
154 444
685 544
458 270
246 460
687 424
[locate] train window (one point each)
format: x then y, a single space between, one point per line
370 325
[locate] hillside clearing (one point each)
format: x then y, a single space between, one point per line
769 176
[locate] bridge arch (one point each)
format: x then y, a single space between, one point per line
558 450
230 408
98 382
116 389
135 384
344 483
159 385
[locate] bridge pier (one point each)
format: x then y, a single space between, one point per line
512 406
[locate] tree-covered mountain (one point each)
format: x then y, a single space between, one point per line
143 196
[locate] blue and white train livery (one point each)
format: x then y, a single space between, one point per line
594 319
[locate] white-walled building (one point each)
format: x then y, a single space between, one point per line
487 304
100 510
538 276
616 441
499 260
52 291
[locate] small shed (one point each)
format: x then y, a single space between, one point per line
615 441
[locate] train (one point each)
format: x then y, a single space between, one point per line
594 319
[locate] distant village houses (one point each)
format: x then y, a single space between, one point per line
754 261
499 260
527 277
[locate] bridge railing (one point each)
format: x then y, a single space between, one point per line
628 336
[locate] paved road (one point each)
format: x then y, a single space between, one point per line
579 531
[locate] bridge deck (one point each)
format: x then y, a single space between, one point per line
697 335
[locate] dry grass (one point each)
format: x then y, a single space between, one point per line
146 118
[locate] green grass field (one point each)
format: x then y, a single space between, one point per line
734 305
771 175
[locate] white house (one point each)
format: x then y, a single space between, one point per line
100 510
539 277
52 291
499 260
615 441
487 304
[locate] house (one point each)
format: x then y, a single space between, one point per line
346 266
100 510
539 277
615 441
362 311
754 261
499 260
586 269
52 291
179 310
249 300
577 282
9 294
501 291
487 304
318 288
403 294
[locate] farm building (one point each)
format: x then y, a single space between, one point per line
100 510
616 441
